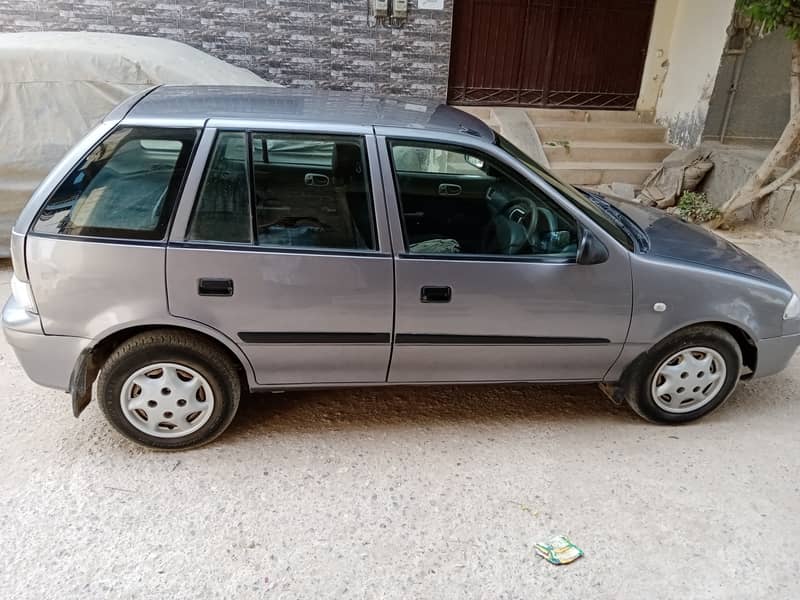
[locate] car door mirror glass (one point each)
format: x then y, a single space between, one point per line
591 251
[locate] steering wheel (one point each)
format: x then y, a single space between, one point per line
518 209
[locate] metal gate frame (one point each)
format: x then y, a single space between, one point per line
545 95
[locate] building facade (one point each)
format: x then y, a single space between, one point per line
325 43
660 57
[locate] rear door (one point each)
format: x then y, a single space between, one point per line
285 250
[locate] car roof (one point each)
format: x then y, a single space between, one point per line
203 102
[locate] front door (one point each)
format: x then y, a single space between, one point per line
282 254
559 53
488 288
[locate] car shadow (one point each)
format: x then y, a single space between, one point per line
423 406
432 406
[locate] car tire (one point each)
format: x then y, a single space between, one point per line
150 386
673 382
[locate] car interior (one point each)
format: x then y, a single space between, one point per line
312 191
122 186
309 191
457 202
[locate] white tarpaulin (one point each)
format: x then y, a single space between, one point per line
54 87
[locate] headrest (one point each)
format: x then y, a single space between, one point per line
346 162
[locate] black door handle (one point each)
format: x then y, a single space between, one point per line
215 287
432 293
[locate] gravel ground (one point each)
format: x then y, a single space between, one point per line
409 493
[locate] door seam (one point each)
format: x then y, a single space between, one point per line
391 251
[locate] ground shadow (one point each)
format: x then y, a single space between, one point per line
423 406
432 406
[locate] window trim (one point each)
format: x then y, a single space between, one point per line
509 258
184 242
243 247
172 209
406 253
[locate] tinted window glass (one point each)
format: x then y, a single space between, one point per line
311 191
460 201
125 188
577 197
417 159
222 213
292 151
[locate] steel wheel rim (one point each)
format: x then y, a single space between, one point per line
688 380
167 400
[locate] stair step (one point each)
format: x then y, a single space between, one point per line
595 173
583 151
542 115
553 131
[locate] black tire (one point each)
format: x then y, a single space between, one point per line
635 386
184 348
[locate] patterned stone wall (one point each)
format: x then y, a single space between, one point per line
324 43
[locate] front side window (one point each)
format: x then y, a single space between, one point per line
295 190
456 200
576 197
125 188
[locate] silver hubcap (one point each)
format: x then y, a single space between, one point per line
167 400
688 379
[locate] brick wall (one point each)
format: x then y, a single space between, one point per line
325 43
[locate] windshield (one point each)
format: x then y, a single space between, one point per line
578 199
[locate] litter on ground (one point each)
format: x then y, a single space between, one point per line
558 550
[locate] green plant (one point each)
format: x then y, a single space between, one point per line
772 14
695 207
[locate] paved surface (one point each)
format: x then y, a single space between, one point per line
422 493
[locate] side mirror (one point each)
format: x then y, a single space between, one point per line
591 251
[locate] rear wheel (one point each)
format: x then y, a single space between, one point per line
685 376
169 390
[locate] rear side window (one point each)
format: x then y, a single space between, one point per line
125 188
280 189
223 212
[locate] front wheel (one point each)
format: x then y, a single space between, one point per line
169 390
685 376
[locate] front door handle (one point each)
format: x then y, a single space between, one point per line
215 287
435 293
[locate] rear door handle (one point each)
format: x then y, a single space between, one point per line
449 189
215 287
435 293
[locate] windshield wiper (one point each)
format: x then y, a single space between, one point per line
620 218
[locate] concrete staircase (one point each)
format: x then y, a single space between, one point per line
585 147
600 146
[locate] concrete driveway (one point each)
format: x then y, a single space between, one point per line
409 493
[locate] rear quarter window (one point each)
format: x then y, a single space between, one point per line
125 188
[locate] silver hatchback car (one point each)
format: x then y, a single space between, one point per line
203 241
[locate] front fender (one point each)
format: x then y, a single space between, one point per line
693 294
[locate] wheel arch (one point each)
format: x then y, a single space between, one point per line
95 355
747 345
744 338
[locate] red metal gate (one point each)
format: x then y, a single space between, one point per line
566 53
